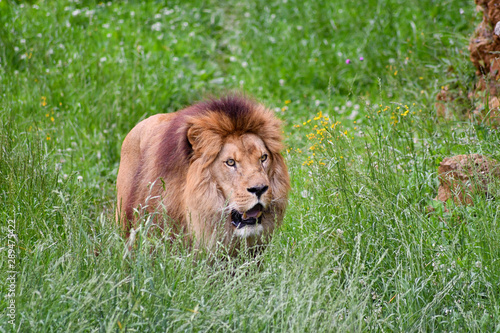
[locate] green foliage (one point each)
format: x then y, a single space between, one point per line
360 249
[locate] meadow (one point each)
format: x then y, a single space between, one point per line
355 83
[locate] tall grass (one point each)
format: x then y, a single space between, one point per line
359 249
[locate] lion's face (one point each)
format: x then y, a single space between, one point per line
242 172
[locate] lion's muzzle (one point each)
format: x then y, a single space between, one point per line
250 217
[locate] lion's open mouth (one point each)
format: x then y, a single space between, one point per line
250 217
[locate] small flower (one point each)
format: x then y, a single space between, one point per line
79 178
156 26
348 61
361 59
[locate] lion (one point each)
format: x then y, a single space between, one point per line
215 169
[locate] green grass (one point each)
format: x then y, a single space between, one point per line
358 250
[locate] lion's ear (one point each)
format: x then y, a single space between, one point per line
192 135
203 141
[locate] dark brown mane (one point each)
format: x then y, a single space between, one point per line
237 108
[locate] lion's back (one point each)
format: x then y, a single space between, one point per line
140 165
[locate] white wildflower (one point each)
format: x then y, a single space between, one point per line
166 11
353 115
156 26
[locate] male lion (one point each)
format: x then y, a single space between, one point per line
215 168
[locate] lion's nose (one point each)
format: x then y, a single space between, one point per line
258 190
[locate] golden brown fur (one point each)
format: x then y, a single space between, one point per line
183 163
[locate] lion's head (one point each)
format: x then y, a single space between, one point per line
221 170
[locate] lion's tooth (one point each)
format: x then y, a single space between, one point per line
259 215
244 215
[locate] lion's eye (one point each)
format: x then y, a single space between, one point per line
230 162
263 158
